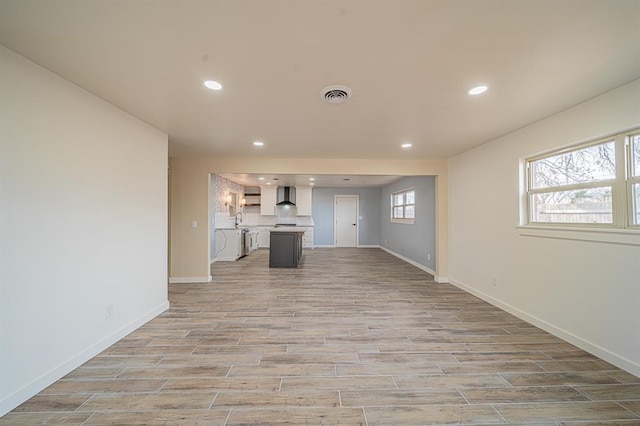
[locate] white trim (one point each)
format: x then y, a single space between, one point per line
211 261
56 373
187 280
592 348
601 235
368 246
325 246
225 259
404 221
417 265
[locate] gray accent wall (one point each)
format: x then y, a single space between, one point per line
411 241
322 213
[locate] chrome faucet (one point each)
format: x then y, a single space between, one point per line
238 221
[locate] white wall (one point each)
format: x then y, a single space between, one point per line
83 225
585 292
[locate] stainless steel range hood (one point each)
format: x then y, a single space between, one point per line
286 196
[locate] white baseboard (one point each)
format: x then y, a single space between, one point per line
325 246
417 265
189 280
56 373
592 348
211 261
368 246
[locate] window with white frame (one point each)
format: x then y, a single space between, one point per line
403 206
633 189
596 184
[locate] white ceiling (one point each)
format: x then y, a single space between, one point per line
409 63
324 181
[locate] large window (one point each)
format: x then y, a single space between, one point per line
634 179
403 206
595 184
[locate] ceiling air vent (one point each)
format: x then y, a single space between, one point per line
336 94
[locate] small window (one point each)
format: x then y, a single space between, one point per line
403 206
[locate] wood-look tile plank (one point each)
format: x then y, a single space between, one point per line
521 394
149 402
298 416
564 411
388 369
490 367
624 377
390 398
94 373
203 417
407 357
43 402
451 381
633 406
610 392
219 359
104 386
47 418
560 366
439 414
224 383
122 361
560 379
293 398
171 371
283 370
339 383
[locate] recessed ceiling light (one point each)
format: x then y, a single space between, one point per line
268 183
406 145
312 184
260 178
258 143
213 85
478 89
312 178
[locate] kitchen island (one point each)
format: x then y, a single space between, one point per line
285 247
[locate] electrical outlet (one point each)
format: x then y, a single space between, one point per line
109 311
428 256
494 282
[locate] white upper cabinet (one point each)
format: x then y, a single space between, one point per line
303 200
268 199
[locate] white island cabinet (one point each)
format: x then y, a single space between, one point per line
229 245
303 200
268 199
264 233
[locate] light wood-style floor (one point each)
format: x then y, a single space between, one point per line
354 336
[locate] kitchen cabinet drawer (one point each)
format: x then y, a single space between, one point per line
307 238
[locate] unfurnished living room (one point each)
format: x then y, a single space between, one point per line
320 212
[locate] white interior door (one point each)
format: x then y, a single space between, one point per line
346 220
